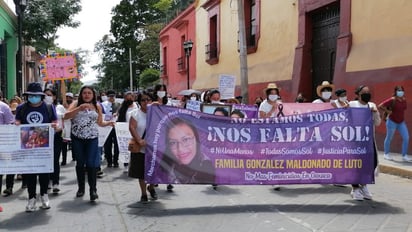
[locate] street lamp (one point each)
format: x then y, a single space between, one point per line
20 7
188 45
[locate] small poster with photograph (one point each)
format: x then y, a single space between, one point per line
210 108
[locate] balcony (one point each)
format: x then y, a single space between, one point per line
211 54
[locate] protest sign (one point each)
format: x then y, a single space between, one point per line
26 149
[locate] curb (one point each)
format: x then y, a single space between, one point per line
392 170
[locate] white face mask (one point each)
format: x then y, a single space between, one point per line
48 99
326 95
343 99
104 98
273 97
161 94
215 102
193 98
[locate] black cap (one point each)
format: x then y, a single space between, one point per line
111 92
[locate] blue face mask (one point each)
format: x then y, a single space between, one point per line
34 99
400 93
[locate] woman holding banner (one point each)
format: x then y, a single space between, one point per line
137 128
183 161
361 191
270 105
86 116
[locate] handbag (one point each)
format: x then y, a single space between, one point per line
385 115
133 146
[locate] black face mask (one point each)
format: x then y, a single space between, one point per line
366 97
69 101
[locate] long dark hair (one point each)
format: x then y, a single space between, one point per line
123 109
398 87
80 99
169 158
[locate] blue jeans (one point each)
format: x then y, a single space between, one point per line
86 152
391 127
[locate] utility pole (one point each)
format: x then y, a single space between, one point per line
130 69
244 82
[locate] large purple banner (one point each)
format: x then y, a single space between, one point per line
332 146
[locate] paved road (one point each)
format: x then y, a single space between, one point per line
229 208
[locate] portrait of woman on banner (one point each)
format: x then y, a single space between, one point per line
183 161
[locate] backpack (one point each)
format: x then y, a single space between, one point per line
24 108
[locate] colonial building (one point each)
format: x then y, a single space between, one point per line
296 44
8 50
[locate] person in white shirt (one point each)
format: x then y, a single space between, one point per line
324 92
269 106
342 100
360 191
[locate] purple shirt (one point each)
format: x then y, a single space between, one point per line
6 117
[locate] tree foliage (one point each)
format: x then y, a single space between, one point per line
42 19
135 25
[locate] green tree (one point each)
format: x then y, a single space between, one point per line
135 25
149 77
44 17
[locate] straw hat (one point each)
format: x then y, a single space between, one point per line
271 86
325 84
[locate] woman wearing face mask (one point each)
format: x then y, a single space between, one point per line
395 107
160 92
269 106
342 101
360 191
51 98
324 92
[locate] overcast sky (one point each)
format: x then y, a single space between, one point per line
94 24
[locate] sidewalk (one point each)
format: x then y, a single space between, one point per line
396 166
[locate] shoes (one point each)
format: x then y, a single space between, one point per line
93 196
31 205
406 158
7 192
144 199
365 192
357 194
109 165
99 174
214 186
169 188
115 165
56 188
45 203
63 163
152 192
80 193
387 157
19 177
276 187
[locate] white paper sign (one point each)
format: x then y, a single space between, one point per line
227 84
26 148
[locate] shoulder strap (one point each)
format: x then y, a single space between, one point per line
49 111
22 111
